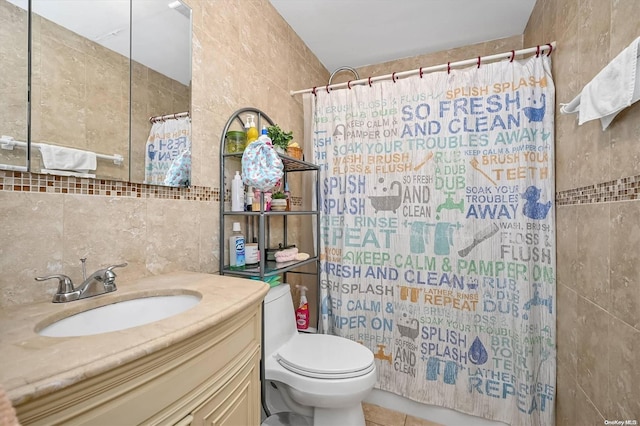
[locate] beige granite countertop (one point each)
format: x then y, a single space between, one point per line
34 365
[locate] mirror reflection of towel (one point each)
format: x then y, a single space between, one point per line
614 88
62 158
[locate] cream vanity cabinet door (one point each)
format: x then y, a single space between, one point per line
237 404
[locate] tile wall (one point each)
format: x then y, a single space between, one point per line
598 218
47 225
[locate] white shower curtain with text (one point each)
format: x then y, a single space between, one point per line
438 234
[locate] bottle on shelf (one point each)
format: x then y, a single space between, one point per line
256 200
236 248
248 200
252 130
302 313
237 193
287 194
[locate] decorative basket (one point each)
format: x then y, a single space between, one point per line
294 152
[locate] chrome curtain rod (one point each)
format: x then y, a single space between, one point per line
420 71
168 117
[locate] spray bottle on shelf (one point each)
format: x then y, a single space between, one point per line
237 193
236 248
302 313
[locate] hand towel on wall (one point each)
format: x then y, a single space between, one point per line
614 88
62 158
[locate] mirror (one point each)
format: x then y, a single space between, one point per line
99 70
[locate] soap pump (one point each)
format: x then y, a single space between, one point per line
252 130
302 313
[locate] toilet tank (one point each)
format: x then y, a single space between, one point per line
279 318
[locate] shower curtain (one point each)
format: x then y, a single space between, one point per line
168 153
438 234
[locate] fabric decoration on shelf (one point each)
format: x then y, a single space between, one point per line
261 166
615 87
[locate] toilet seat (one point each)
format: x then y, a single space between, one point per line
323 356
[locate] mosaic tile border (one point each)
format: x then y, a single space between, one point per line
623 189
32 182
51 184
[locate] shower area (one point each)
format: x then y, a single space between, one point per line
437 233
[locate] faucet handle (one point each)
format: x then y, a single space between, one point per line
109 276
64 282
122 265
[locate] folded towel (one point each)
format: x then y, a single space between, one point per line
58 157
7 412
614 88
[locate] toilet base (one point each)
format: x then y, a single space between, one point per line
349 416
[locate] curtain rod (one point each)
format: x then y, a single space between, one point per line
396 75
168 117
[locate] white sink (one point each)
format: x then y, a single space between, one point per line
120 315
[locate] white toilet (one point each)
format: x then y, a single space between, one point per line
315 375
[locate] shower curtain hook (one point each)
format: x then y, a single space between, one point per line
538 51
420 72
349 84
513 55
327 88
449 67
478 61
550 49
393 76
369 81
314 91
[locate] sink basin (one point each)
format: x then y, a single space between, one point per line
120 315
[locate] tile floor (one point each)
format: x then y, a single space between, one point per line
375 415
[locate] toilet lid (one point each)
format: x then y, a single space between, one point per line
326 357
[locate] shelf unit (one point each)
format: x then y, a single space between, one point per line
258 223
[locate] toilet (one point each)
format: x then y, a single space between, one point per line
322 377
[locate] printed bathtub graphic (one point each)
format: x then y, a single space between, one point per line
532 208
387 202
408 327
535 114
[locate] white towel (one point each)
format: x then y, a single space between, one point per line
58 157
614 88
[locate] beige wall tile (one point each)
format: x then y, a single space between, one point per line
593 351
593 253
567 246
624 375
586 413
625 269
565 397
567 316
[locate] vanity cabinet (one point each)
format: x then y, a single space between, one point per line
212 377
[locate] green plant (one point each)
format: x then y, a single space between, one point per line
278 195
279 137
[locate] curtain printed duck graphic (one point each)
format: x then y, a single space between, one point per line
532 208
535 114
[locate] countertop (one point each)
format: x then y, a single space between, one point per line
34 365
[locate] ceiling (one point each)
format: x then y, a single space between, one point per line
355 33
159 31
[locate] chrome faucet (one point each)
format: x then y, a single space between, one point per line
100 282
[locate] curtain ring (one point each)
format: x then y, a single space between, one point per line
369 81
538 51
420 72
349 84
393 76
327 88
550 49
513 55
314 91
478 61
449 67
